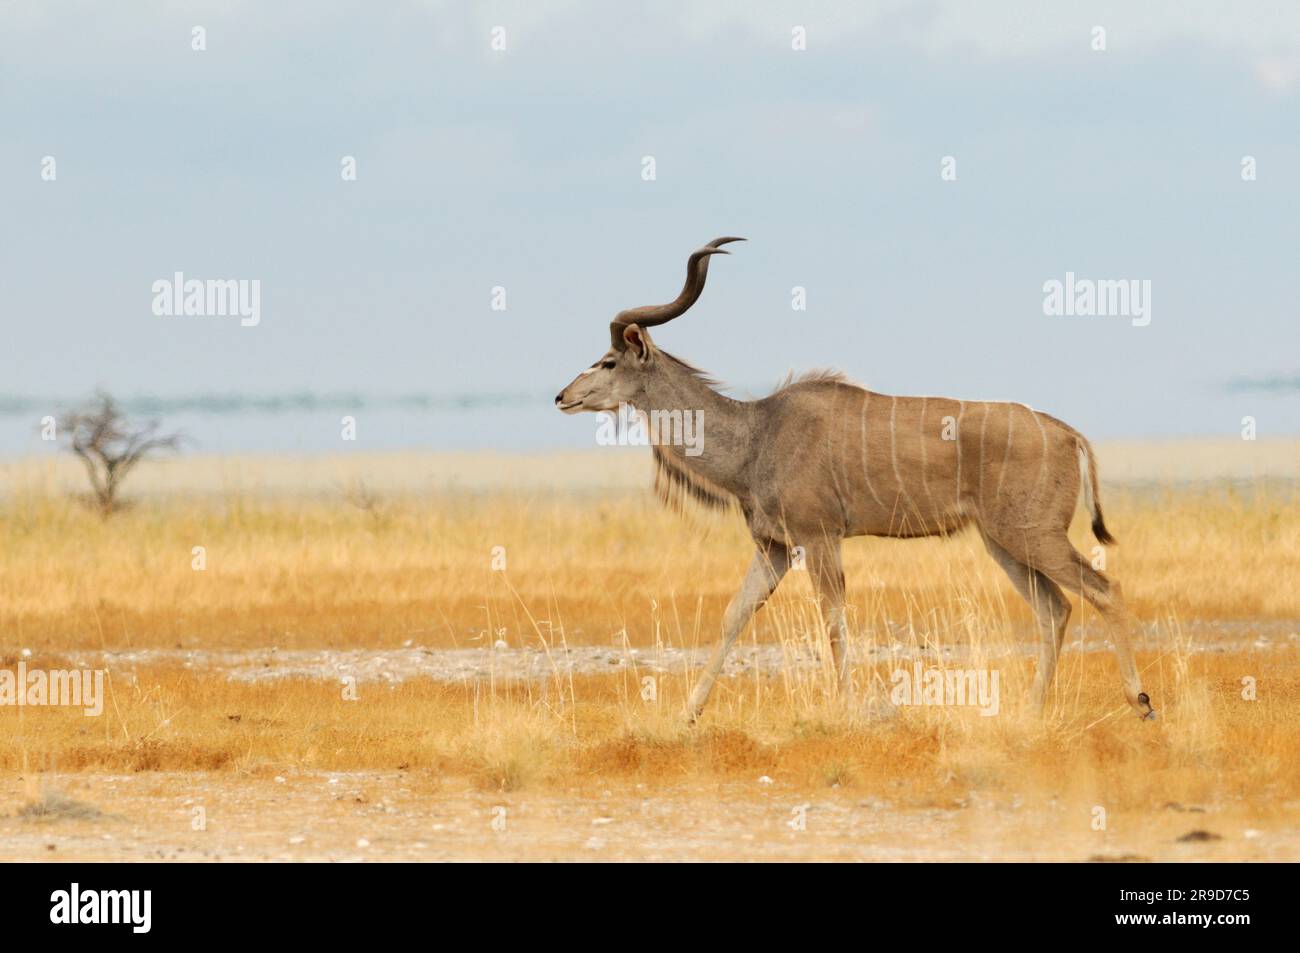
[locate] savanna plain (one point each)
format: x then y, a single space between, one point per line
460 657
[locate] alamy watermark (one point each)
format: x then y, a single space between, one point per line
62 688
132 908
973 687
214 297
1088 297
630 427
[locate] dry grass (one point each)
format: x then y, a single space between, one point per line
357 567
1209 746
54 806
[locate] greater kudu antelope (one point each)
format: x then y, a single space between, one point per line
821 460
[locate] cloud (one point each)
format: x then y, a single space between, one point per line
1266 30
1277 74
1003 28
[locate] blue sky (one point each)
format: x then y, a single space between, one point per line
522 168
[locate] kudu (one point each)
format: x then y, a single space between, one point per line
821 460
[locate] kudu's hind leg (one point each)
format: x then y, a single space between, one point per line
1051 610
765 573
1059 560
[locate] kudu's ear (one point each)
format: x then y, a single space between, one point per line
638 342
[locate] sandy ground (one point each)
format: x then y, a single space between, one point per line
501 662
354 817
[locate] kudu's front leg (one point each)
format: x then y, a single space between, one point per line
827 571
826 567
765 574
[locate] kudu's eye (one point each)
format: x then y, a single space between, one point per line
609 365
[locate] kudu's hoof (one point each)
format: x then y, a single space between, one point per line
1144 701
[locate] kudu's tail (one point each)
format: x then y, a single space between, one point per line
1091 493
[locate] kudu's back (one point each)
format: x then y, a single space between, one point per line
838 460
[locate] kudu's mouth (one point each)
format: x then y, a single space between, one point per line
567 406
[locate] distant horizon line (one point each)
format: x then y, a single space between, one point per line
200 454
217 403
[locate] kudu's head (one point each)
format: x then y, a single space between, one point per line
620 376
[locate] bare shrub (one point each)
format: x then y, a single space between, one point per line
110 446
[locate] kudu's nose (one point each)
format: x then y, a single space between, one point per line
559 398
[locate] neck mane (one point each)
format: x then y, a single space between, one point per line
716 475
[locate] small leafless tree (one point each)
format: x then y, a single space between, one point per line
110 446
357 493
